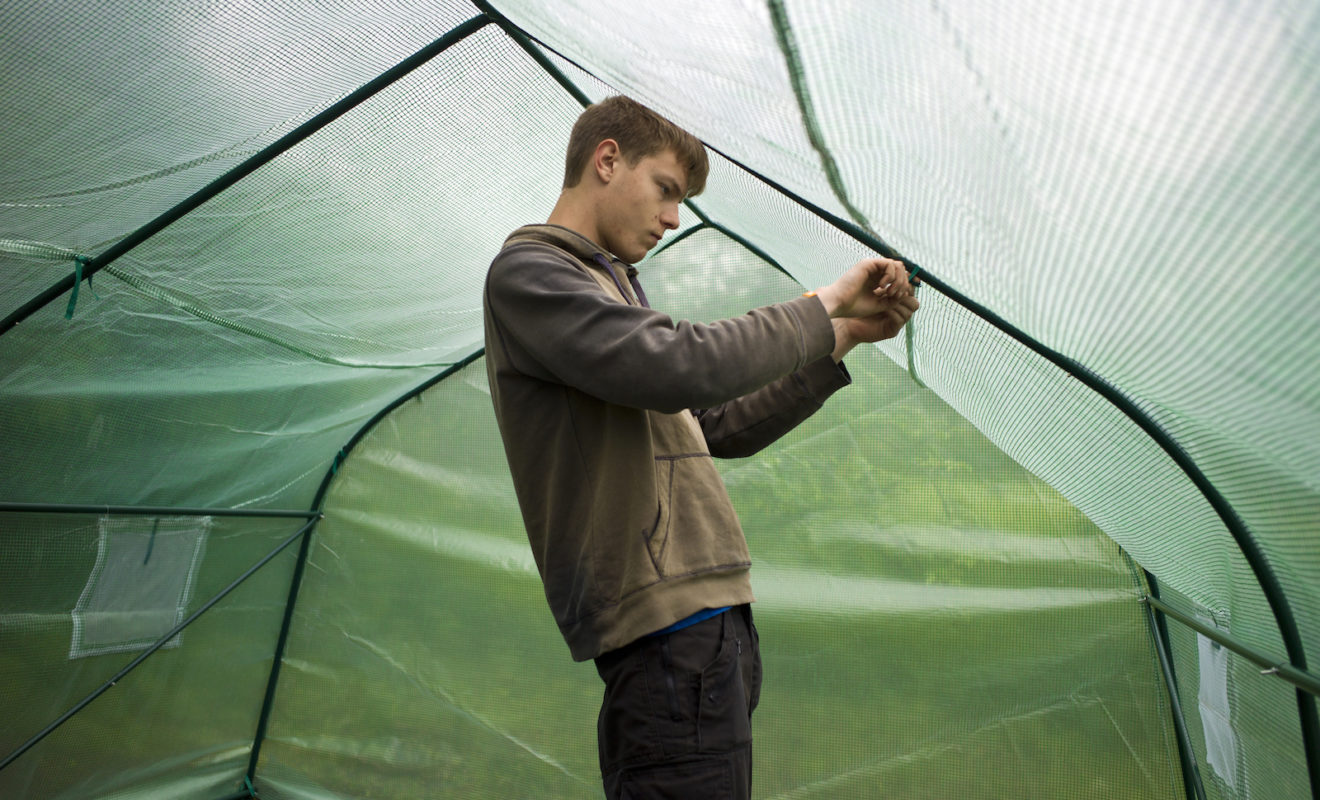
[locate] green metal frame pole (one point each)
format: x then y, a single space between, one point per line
532 50
266 154
1302 680
151 511
1160 634
295 585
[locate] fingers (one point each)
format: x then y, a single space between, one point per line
888 277
883 323
906 306
866 289
901 311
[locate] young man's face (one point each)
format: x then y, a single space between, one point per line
642 203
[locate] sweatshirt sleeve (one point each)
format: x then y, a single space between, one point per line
746 425
558 324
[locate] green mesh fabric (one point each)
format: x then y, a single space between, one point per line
949 572
155 101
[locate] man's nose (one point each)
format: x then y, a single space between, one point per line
669 217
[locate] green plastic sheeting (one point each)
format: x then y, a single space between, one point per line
283 214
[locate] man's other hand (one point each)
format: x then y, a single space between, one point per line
852 331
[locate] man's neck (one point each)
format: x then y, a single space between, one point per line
570 212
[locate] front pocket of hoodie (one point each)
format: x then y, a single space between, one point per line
658 536
696 528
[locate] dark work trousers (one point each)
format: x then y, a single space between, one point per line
676 720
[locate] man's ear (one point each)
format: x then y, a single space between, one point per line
605 160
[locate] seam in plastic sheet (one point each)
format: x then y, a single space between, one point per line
193 308
460 708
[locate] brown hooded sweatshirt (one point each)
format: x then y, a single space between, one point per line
610 414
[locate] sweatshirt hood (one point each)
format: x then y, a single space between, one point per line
565 238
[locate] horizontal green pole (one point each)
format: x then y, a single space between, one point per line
151 511
1271 666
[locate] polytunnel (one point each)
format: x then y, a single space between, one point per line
1058 540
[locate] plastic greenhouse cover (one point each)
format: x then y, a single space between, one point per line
1135 187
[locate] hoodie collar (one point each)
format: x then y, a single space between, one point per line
565 238
586 250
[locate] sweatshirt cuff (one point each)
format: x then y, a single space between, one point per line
822 378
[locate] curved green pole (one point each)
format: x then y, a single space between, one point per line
296 583
1251 550
93 265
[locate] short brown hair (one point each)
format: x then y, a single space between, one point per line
640 132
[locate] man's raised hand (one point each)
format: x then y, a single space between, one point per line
868 288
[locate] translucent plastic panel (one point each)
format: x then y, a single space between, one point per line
366 246
116 111
713 68
133 402
141 583
181 724
933 618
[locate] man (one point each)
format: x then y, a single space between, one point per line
610 414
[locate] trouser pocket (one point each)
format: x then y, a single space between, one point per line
723 720
751 666
701 677
679 696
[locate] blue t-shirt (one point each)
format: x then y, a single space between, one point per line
700 616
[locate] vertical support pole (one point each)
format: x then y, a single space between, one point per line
1160 634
